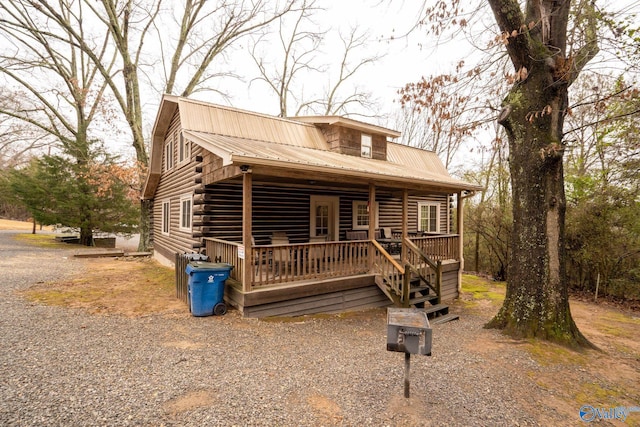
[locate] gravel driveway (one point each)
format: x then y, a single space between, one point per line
64 367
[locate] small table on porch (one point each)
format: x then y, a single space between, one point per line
393 246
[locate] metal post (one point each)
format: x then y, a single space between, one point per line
407 368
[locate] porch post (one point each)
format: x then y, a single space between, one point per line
372 219
460 230
247 273
405 223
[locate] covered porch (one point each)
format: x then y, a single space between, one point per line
303 278
332 212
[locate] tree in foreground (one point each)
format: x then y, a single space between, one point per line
537 302
96 195
548 44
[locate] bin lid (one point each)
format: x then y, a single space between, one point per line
213 266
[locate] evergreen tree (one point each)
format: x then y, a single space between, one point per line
91 195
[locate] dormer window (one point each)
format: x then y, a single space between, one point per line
365 146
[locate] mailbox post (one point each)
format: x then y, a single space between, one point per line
408 331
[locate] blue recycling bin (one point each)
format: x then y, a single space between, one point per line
206 287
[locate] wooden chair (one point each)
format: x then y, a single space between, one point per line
317 253
387 234
282 257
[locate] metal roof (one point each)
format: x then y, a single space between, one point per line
244 137
234 150
203 117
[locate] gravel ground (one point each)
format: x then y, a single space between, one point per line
64 367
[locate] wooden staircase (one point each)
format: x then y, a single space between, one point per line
421 296
414 285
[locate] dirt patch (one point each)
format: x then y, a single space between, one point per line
125 286
326 410
608 378
190 401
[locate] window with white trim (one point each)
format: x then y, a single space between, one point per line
185 213
166 216
361 214
365 146
183 149
168 155
429 217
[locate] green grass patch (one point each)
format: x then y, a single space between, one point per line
617 316
483 289
598 395
42 240
548 354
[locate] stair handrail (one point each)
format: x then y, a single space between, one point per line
388 256
395 279
436 266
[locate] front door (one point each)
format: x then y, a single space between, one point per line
325 217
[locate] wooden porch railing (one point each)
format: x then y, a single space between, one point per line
278 264
427 270
274 264
440 247
224 251
391 273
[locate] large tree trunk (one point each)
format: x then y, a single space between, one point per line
537 301
537 304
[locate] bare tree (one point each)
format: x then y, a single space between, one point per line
337 100
548 44
442 112
59 90
206 31
537 302
187 51
299 45
17 139
299 59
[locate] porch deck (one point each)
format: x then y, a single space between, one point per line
304 278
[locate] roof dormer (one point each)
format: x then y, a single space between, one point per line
352 137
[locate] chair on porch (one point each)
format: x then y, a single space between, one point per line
317 253
281 258
260 261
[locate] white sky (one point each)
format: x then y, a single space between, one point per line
404 60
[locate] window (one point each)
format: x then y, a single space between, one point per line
166 210
428 217
183 149
361 215
322 220
185 213
365 146
168 155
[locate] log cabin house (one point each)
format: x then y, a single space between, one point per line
317 214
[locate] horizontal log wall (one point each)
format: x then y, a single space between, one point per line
178 182
218 212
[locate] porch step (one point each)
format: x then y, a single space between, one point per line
419 288
444 319
422 299
436 309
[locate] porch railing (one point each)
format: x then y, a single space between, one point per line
440 247
274 264
278 264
